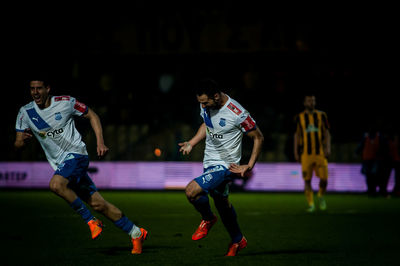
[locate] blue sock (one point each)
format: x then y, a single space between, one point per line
202 205
124 223
81 208
229 219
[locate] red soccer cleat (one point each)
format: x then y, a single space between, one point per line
138 242
96 227
234 248
203 228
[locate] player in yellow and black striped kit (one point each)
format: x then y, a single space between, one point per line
312 147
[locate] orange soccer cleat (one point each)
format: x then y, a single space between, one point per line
138 242
234 248
203 228
96 227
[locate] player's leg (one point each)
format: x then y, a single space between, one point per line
307 166
369 169
396 188
59 185
199 198
197 193
322 173
323 183
384 170
99 204
227 212
65 183
138 235
309 194
229 218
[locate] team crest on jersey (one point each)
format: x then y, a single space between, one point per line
222 122
57 116
206 178
311 128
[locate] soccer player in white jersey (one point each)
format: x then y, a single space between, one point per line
51 120
225 121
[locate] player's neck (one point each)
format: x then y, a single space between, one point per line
224 99
310 111
46 103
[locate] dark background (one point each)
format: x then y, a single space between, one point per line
114 64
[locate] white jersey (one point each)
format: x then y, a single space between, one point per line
224 132
54 127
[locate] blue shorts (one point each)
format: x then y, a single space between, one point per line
215 180
74 168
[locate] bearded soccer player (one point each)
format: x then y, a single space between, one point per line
225 122
51 120
312 147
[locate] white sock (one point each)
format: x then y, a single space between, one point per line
135 232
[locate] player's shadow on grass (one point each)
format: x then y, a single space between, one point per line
114 251
280 252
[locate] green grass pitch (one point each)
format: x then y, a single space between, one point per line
38 228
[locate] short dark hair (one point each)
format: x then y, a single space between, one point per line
40 76
207 86
309 94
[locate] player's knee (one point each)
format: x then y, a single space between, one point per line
190 195
56 187
190 192
323 183
307 184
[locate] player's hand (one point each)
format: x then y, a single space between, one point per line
239 169
102 150
27 134
327 153
186 148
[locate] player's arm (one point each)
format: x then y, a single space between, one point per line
296 139
327 143
21 137
186 147
258 140
94 119
327 136
296 146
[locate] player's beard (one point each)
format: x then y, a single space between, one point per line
217 105
310 108
42 101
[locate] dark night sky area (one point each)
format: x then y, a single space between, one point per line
352 67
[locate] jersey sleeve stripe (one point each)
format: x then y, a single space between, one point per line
81 107
248 124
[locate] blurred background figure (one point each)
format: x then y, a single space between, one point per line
372 155
312 147
392 161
